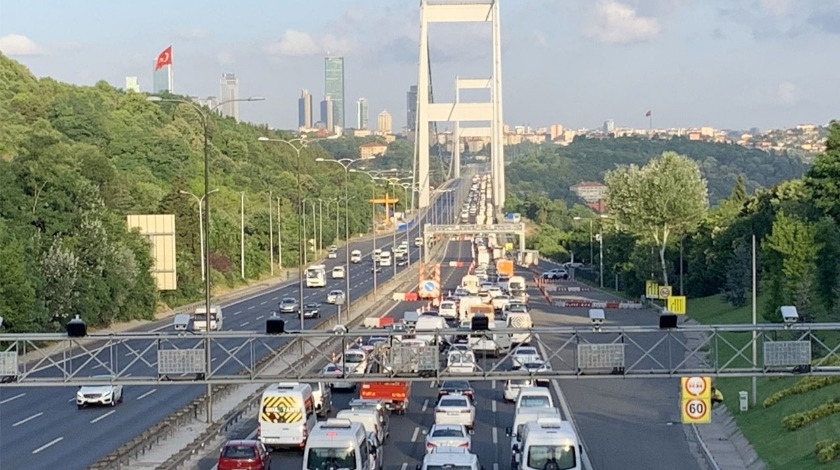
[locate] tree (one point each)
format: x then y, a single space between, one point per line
823 179
738 275
665 197
793 251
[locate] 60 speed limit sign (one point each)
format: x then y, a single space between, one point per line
696 400
696 410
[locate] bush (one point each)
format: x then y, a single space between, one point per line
806 384
797 420
827 450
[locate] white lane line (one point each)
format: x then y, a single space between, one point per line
251 307
71 400
237 312
24 420
7 400
96 420
431 385
244 323
494 406
495 466
263 302
494 385
274 298
404 466
414 436
52 442
425 405
214 360
260 317
147 394
495 436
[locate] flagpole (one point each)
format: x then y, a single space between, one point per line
650 121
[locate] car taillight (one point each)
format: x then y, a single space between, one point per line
465 411
464 444
431 445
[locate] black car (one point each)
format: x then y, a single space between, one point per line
456 386
312 310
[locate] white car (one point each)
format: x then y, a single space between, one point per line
338 272
448 309
332 252
335 371
512 387
536 367
103 395
448 435
335 297
524 354
455 409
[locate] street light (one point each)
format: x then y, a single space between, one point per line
591 250
394 181
345 165
297 145
372 175
200 201
205 126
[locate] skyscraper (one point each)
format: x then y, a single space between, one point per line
383 122
229 90
132 84
162 75
411 109
328 113
334 87
361 113
609 125
305 118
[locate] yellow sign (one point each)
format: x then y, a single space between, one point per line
696 399
664 292
508 246
676 304
651 289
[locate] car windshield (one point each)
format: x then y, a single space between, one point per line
324 458
534 401
289 301
333 369
239 452
336 292
551 457
311 305
525 352
448 432
353 358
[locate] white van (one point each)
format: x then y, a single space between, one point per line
524 416
339 443
355 256
425 327
490 343
200 318
516 283
369 419
460 361
534 397
355 360
519 320
448 309
385 258
547 443
322 396
287 415
450 458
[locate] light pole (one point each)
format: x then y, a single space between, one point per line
345 165
242 233
279 239
372 177
206 128
305 244
200 201
297 145
591 251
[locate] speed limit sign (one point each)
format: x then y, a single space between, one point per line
696 410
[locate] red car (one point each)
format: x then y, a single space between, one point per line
244 454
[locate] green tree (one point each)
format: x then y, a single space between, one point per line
823 179
793 251
738 275
665 197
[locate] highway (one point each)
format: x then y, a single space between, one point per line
41 427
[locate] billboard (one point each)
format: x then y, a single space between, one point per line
159 229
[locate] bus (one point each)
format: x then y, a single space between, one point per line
316 276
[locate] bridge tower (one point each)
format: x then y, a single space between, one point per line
489 112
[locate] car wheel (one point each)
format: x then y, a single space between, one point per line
113 402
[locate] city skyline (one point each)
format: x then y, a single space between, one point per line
692 63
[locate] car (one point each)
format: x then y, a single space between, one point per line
244 454
338 272
511 388
520 296
448 435
337 373
570 264
335 296
556 273
536 367
289 305
418 242
332 252
312 310
455 408
463 387
524 354
103 395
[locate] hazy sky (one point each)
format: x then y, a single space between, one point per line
723 63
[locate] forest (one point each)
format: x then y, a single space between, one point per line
76 160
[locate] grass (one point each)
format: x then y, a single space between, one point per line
777 447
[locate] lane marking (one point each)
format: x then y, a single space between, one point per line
96 420
263 302
425 405
24 420
274 298
414 436
48 444
495 436
495 466
244 323
260 317
494 385
237 312
251 307
147 394
494 406
404 466
7 400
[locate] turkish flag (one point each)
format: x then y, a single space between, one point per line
647 114
165 58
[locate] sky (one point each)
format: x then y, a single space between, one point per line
730 64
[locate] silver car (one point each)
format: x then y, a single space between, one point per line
448 435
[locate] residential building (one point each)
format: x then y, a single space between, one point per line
132 84
328 113
334 88
162 79
384 123
305 118
371 150
229 90
609 126
590 191
361 113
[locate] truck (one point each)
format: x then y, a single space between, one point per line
465 304
470 283
408 357
504 267
483 258
316 276
484 309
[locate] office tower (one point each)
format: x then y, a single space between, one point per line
361 113
162 75
328 113
411 109
132 84
334 87
609 125
305 118
383 122
229 90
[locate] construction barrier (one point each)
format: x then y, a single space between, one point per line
572 289
378 322
405 296
456 264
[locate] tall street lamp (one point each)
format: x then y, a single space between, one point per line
372 176
200 201
591 250
203 112
345 165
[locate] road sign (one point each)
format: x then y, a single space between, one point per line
695 387
696 410
651 289
664 292
429 289
181 361
676 304
8 363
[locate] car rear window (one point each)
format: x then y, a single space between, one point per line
239 452
448 432
454 402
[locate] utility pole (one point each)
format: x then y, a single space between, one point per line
241 233
271 234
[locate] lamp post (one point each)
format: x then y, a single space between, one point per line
345 165
200 201
591 251
206 128
279 239
297 145
372 176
